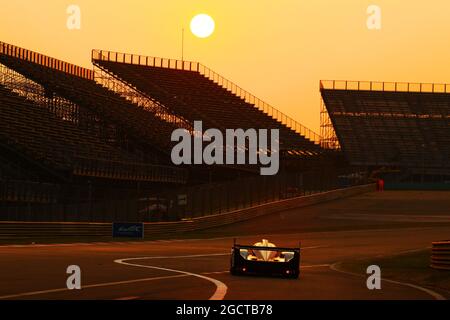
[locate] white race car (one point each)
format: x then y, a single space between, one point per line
264 258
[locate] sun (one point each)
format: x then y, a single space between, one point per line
202 25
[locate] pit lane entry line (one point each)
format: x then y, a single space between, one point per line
221 288
218 295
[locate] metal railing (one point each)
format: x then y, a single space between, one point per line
327 132
385 86
176 204
104 55
46 61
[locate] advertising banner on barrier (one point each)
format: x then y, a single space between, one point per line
128 230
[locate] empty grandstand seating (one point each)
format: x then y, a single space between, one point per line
63 146
390 128
196 97
88 145
99 100
44 136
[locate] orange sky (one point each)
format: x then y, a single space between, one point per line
277 50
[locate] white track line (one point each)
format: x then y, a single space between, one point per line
218 295
107 284
127 298
112 243
221 288
315 266
211 239
435 295
178 257
391 217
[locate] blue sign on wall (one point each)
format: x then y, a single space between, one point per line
128 230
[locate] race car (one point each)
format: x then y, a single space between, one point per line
264 258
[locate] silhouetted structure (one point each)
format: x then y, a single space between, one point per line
94 145
194 92
395 126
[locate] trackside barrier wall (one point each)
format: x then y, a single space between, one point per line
172 204
10 231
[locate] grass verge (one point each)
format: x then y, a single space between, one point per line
413 267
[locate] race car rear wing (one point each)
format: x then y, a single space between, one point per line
240 246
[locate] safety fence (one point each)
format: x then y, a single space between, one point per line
440 255
38 231
180 203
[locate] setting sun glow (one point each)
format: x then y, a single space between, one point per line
202 26
277 50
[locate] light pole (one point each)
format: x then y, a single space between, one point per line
182 44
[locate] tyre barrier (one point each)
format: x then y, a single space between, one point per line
440 255
36 231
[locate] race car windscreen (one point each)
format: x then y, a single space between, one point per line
267 255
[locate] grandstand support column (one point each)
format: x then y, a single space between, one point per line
329 138
127 91
138 190
210 177
423 162
90 201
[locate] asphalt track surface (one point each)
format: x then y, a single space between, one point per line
365 226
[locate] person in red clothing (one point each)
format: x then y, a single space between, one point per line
380 185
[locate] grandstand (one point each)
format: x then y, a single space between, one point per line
59 127
99 102
73 138
195 92
401 127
